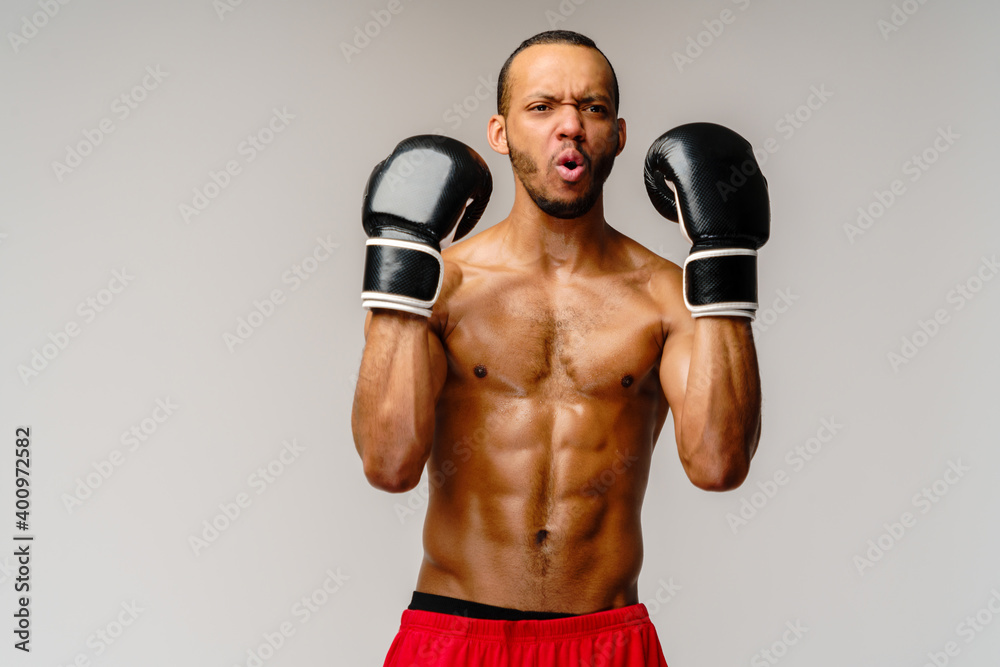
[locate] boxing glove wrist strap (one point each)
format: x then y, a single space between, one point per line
721 282
401 275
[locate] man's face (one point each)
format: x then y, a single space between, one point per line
561 128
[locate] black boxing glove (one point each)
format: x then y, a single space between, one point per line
690 178
412 205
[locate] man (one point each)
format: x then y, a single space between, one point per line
531 368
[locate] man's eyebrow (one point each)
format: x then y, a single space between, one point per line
541 95
550 97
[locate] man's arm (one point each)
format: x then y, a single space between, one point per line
709 366
710 378
403 369
429 190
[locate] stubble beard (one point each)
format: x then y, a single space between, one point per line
600 168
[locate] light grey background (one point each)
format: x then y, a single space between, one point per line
835 306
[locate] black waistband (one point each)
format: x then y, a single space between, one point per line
446 605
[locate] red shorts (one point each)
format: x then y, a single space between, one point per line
622 637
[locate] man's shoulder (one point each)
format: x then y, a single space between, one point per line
662 281
470 258
661 271
464 262
467 249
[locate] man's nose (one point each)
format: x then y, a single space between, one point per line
570 124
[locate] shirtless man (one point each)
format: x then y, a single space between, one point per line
534 378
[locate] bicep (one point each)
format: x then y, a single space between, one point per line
675 360
674 365
438 363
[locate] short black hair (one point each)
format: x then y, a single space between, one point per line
548 37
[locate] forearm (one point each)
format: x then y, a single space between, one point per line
393 413
720 424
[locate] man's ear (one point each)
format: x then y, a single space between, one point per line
621 136
496 134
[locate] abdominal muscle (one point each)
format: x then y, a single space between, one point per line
535 499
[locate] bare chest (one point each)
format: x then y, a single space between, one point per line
511 334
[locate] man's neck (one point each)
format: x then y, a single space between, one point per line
557 247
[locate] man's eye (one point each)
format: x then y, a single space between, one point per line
539 106
596 108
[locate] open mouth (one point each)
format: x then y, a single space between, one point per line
570 166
